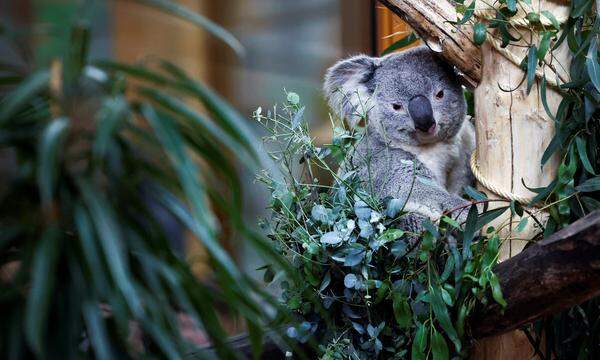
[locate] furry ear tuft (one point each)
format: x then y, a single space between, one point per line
346 86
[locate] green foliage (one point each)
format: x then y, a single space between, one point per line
576 190
96 157
367 287
402 43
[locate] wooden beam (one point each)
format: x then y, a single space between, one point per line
431 19
546 278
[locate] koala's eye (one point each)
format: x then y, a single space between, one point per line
440 94
397 107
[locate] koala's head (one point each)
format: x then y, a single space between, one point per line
409 98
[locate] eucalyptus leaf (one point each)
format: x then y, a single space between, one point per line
552 19
439 348
399 44
350 281
419 343
479 33
443 317
331 238
402 311
496 291
326 281
468 14
531 66
589 185
593 67
298 116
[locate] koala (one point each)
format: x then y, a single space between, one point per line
416 128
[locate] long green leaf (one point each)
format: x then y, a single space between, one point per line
496 290
228 118
197 19
552 19
43 278
531 67
402 311
224 115
180 108
164 342
419 343
200 221
255 333
439 348
471 227
544 98
582 151
182 291
544 45
96 329
404 42
488 216
589 185
443 317
469 11
90 249
23 94
591 62
108 231
52 138
108 119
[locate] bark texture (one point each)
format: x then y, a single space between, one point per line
548 277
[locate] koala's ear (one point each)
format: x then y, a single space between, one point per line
346 86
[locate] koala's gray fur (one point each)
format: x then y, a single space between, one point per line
380 89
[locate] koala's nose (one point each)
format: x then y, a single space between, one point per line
420 111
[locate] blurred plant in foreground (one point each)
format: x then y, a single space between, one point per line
98 152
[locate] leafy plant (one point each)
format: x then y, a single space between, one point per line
368 288
576 190
101 163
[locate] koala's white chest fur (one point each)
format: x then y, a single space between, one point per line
446 160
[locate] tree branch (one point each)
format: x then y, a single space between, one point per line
431 19
548 277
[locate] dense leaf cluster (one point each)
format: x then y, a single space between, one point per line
365 288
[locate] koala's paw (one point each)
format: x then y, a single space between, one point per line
413 223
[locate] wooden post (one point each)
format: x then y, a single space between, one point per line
513 129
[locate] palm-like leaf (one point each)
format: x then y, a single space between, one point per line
78 220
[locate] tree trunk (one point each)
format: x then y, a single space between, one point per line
513 130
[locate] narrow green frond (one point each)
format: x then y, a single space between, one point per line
200 20
96 330
107 230
108 119
48 152
42 285
15 100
